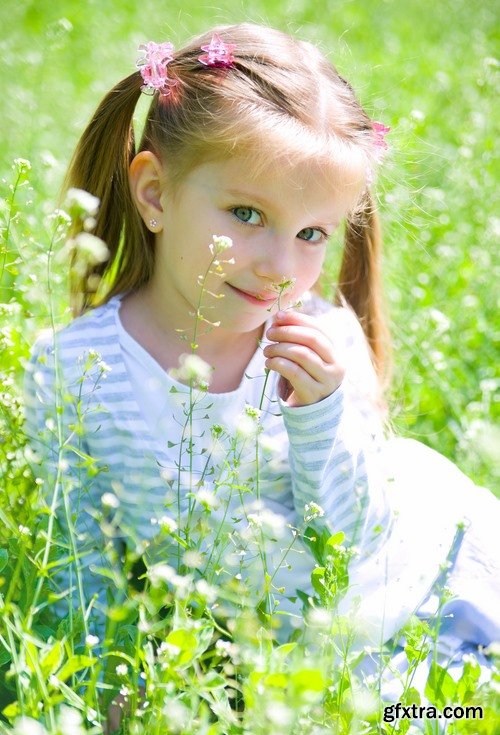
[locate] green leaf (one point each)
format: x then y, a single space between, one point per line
440 688
12 710
75 663
53 659
318 579
336 539
4 558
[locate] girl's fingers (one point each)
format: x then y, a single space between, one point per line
307 358
309 336
305 388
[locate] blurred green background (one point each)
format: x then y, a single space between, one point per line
425 68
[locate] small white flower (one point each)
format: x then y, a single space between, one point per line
24 530
271 523
161 573
22 165
91 640
279 714
206 590
219 244
207 497
109 500
192 370
92 248
313 510
122 669
70 721
82 202
192 559
168 650
27 726
168 524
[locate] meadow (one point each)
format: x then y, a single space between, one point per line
428 70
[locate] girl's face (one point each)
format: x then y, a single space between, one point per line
279 221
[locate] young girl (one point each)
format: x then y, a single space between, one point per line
255 150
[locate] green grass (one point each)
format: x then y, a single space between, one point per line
426 69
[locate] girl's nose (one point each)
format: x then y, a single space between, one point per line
275 261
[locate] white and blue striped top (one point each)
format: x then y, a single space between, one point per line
86 414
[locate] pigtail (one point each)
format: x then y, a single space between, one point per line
100 166
360 282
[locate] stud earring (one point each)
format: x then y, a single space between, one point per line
153 223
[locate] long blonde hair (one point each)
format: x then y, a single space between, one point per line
280 97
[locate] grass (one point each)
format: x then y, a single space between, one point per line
427 70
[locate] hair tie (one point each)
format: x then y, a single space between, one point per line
379 132
219 54
153 67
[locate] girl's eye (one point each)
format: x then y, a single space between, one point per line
247 215
312 234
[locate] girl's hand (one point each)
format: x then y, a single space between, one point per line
304 356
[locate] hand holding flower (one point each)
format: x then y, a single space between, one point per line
304 356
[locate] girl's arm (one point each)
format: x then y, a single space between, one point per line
335 440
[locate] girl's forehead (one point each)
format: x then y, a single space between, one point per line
296 177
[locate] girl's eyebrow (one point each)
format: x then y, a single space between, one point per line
248 195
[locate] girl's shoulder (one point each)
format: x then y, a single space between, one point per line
90 337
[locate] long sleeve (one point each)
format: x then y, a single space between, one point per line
335 445
70 511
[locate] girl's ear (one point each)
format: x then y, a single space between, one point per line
147 184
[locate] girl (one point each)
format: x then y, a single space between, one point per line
195 398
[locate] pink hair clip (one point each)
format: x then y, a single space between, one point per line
153 67
380 131
219 54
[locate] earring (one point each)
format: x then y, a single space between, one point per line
153 223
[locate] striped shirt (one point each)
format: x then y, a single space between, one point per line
113 435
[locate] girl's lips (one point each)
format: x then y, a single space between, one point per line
253 299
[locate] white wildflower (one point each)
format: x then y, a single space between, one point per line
22 165
178 714
168 650
319 617
167 524
192 559
206 590
122 669
82 202
24 530
109 500
27 726
192 370
219 244
207 498
312 510
70 721
271 523
91 640
279 714
161 573
92 248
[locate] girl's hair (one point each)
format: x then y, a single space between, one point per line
281 99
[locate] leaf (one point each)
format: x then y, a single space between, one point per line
4 558
336 539
76 663
318 579
53 659
12 710
440 688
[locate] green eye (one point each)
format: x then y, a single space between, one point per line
247 215
311 234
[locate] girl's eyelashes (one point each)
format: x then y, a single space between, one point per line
245 215
251 216
313 234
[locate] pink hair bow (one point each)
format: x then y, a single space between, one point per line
219 54
153 67
380 131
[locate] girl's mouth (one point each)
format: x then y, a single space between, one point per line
253 298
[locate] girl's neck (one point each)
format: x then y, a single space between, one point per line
228 353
